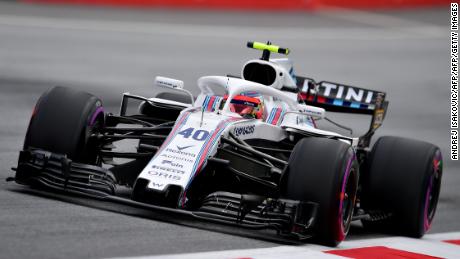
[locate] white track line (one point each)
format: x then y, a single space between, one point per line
279 252
427 245
224 31
431 245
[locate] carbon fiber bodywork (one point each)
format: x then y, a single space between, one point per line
57 173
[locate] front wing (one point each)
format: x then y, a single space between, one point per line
57 173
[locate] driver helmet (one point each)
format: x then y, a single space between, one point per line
248 106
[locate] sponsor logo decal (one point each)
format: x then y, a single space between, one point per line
339 91
176 158
171 163
165 175
156 185
167 169
184 147
345 92
181 153
246 130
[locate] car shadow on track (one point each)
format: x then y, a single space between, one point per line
356 232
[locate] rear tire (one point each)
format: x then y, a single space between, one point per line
62 122
403 178
324 171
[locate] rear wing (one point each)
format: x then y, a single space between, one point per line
337 97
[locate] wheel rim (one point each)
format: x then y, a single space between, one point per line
433 190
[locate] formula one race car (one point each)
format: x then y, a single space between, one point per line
247 151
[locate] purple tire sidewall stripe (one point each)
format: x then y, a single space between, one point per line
99 110
344 182
427 221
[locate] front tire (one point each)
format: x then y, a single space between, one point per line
324 171
62 122
403 179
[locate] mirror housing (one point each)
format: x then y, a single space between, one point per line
174 84
169 82
313 111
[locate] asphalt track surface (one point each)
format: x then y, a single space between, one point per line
111 51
